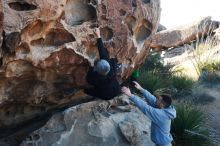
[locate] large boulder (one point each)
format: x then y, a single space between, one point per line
78 126
183 35
48 46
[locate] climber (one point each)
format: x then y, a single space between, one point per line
102 76
159 111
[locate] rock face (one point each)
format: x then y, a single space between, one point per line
77 126
183 35
48 46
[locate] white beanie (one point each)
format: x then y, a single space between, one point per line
102 67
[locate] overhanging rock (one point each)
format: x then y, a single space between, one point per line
48 46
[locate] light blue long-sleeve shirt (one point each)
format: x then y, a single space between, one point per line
161 118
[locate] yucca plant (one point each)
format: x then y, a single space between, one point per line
152 81
182 82
187 126
154 75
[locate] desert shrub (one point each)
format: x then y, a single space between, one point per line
153 63
211 66
203 46
187 126
155 76
182 82
153 73
152 81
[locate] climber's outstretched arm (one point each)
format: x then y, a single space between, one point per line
103 52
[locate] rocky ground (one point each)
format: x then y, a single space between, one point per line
212 111
90 125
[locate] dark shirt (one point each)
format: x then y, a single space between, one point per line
104 87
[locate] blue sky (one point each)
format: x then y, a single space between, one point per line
180 12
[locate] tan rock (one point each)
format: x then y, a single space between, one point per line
78 126
49 46
183 35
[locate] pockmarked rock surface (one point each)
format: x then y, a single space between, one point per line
184 34
77 126
48 46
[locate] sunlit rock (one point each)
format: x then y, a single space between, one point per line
182 35
47 48
78 126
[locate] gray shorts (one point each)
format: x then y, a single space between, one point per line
164 144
